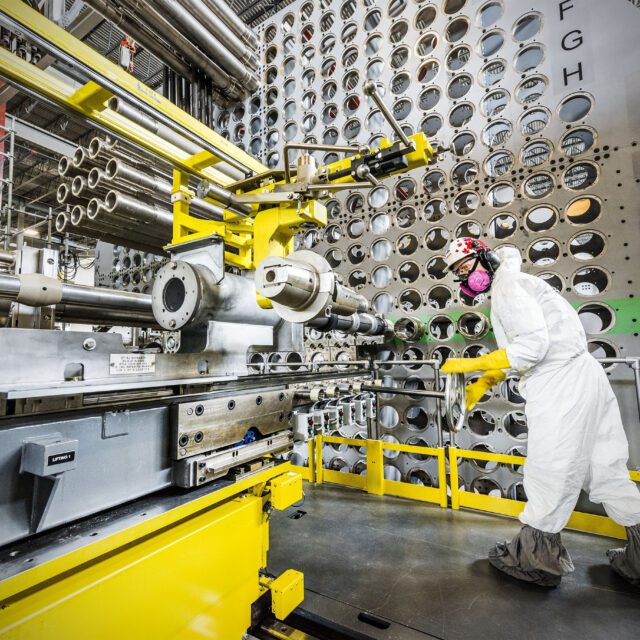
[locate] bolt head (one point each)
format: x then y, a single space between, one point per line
172 323
89 344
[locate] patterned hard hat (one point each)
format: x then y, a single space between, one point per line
463 248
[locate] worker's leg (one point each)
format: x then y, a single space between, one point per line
554 472
609 483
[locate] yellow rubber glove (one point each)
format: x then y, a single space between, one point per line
477 389
489 362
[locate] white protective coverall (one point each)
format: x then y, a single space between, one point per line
576 438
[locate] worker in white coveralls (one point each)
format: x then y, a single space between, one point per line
576 439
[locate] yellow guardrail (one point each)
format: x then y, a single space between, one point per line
375 483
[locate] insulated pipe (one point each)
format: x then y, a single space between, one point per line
221 31
239 28
7 257
141 34
147 14
209 44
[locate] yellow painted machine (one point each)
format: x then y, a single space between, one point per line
140 485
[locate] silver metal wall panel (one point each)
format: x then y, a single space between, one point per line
539 106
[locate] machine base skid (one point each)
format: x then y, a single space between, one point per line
186 569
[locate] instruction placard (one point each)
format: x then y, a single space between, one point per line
128 364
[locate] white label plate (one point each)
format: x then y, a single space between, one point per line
128 364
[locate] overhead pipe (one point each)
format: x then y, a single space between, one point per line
105 149
209 44
147 14
141 34
239 28
62 222
166 133
221 31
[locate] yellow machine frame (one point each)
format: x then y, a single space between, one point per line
374 481
249 239
192 572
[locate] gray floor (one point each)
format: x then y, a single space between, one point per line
424 569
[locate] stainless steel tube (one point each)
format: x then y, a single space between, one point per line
148 213
64 195
106 306
225 13
82 159
62 222
116 169
7 257
210 45
141 34
131 231
147 14
221 31
79 314
66 168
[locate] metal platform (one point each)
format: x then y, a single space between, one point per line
424 571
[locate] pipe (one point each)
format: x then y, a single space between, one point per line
142 212
62 221
147 14
209 45
239 28
66 169
64 194
88 303
98 220
107 149
82 159
361 323
78 314
118 169
140 33
221 32
7 257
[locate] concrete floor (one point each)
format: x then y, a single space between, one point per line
424 569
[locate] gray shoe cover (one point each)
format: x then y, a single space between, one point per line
533 556
626 561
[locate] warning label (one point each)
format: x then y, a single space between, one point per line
127 364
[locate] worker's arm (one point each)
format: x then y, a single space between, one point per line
525 329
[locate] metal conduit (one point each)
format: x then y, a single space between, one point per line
141 33
146 13
224 12
221 31
209 44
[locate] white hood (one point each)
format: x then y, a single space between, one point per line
510 259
